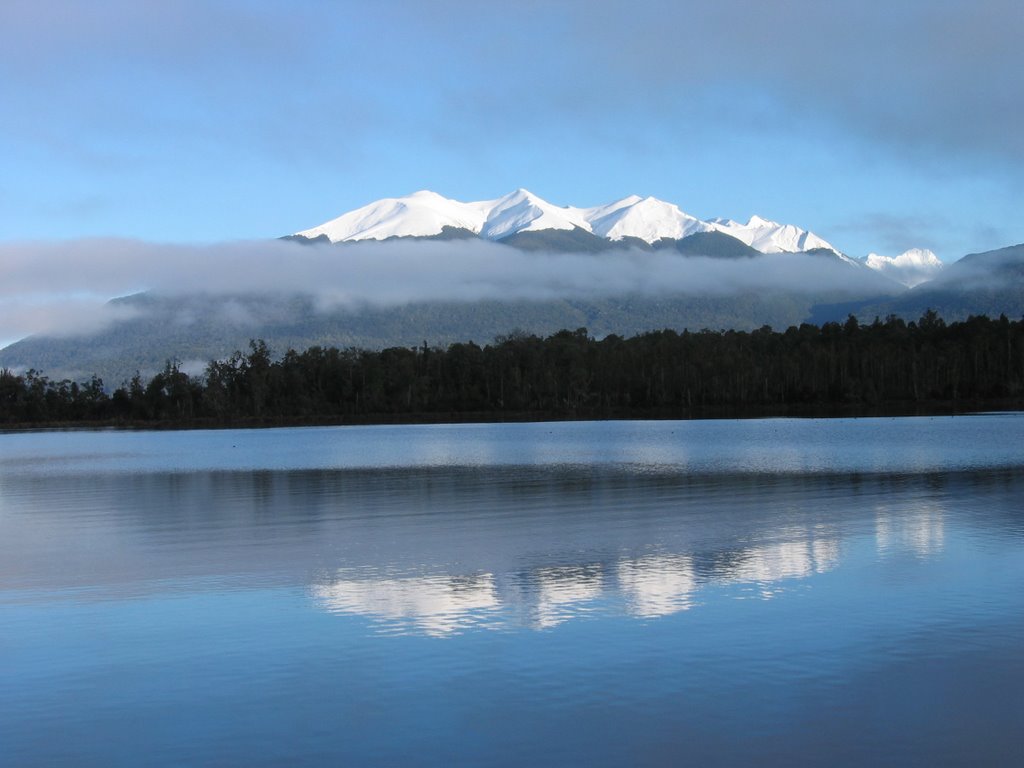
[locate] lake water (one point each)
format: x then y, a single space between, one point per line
765 592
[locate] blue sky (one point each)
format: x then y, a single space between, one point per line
880 126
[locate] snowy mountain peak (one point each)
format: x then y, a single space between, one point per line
648 219
912 267
422 213
523 211
915 257
426 213
771 237
517 196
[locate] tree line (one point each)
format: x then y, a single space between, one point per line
569 374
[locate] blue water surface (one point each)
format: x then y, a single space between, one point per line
771 592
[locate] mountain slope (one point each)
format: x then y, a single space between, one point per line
770 236
195 330
989 283
713 244
523 211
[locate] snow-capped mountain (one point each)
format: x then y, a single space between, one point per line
425 214
770 236
913 267
646 218
523 211
420 214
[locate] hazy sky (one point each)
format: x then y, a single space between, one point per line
879 125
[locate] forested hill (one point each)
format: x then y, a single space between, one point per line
566 375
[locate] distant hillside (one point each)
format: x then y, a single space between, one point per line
714 244
197 329
559 241
989 283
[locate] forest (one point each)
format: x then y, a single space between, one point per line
852 368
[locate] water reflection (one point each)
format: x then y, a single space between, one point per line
764 593
561 593
434 605
795 559
920 530
657 585
646 587
440 551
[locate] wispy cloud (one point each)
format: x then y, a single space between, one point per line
63 288
58 316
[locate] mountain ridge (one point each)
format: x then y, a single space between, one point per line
426 214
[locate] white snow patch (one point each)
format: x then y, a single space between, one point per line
770 236
913 267
647 218
523 211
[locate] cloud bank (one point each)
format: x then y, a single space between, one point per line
64 288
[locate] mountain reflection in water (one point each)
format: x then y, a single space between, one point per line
644 587
778 592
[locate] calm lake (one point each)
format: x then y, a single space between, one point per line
761 592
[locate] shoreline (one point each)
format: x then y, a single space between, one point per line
847 411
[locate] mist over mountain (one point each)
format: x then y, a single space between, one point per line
425 269
410 291
195 330
989 283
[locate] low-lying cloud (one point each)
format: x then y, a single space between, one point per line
65 288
